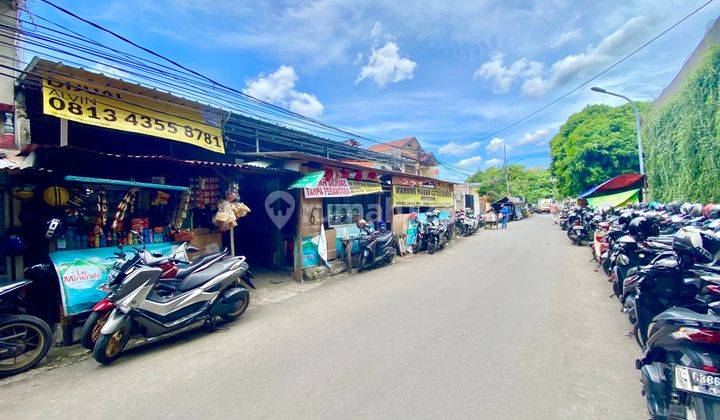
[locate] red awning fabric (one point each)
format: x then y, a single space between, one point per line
620 182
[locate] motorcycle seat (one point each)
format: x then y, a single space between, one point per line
198 263
201 277
662 239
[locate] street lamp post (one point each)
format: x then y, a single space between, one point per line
637 126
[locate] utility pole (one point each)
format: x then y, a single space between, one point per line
638 131
507 180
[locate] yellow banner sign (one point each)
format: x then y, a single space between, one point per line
121 109
404 196
363 187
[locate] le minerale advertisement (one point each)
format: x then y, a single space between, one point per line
406 196
83 274
119 108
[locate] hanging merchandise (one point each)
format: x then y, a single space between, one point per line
181 212
161 199
56 196
23 193
228 212
205 192
12 244
128 202
101 209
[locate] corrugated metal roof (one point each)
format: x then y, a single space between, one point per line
339 163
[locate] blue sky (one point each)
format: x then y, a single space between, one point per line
448 72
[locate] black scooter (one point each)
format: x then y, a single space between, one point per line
24 339
378 249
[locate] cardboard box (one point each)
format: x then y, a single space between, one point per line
206 243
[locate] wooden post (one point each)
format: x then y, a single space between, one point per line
63 132
298 262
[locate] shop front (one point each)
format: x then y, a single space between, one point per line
412 197
333 200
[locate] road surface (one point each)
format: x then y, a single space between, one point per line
504 324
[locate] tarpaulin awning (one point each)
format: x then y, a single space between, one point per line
615 200
621 182
310 180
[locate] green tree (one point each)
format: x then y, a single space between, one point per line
592 146
533 183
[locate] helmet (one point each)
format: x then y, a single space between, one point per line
697 209
362 223
653 205
713 212
673 208
53 228
686 208
12 243
643 226
641 206
702 244
625 218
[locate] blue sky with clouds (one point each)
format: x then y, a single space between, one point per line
446 72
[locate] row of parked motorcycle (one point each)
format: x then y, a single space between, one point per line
663 263
433 234
149 295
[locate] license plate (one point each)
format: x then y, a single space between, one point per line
696 380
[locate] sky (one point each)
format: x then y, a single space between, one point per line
447 72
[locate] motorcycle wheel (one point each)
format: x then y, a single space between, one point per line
636 333
362 263
240 308
91 329
109 346
701 408
25 340
432 246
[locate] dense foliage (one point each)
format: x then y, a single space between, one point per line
594 145
682 147
533 184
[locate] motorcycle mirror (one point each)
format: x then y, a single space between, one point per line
137 235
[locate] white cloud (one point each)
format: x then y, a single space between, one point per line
470 162
493 162
502 76
108 71
495 144
454 148
278 88
594 58
376 32
566 37
386 66
528 138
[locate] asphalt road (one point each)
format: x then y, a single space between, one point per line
504 324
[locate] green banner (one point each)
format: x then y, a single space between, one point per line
615 200
310 180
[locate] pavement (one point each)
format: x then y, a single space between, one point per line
503 324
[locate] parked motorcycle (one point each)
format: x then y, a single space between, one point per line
170 266
156 309
24 339
378 249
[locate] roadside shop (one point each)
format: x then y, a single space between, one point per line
90 187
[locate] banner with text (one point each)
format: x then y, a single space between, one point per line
342 187
122 107
404 196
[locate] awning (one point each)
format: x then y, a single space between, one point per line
615 200
310 180
621 182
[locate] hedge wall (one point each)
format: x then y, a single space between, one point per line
682 138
